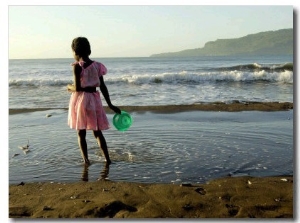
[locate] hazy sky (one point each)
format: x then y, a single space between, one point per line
133 31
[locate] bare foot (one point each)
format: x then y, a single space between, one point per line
87 162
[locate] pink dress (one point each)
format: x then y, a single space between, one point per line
85 109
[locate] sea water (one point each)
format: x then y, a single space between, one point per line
191 146
157 81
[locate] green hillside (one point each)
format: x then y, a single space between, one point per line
278 42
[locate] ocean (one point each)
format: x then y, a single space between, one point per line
189 146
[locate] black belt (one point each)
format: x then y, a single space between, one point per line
89 89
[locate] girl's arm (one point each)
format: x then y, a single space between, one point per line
105 93
76 74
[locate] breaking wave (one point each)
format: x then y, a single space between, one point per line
281 73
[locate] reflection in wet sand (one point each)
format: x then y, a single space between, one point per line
103 174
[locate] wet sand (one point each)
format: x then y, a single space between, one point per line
230 197
214 106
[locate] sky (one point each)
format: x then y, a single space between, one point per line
46 31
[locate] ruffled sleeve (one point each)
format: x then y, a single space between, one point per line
81 63
102 70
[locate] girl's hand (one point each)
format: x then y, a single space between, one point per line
115 109
70 88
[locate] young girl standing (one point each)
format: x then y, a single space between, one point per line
85 107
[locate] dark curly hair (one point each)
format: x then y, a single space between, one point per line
81 46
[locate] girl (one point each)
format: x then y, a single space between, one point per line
85 107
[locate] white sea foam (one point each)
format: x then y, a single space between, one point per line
183 77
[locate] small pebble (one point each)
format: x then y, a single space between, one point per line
185 185
46 208
187 207
201 191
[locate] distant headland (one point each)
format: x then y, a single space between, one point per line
279 42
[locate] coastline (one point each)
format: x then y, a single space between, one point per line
229 197
235 106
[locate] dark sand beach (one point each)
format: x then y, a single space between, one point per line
236 106
230 197
227 197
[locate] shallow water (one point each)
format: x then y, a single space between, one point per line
193 146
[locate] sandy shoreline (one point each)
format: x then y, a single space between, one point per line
229 197
213 106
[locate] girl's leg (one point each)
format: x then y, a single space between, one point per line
102 143
83 145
